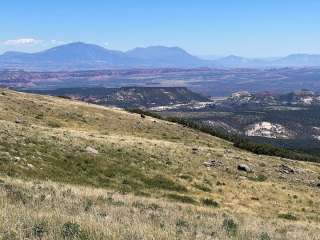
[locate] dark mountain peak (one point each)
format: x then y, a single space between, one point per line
158 47
85 56
157 52
79 53
76 46
233 57
234 61
163 56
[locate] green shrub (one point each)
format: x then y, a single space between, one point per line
39 230
151 206
186 177
181 198
264 236
161 182
259 178
109 200
87 205
54 124
39 116
181 223
17 195
70 230
210 202
202 187
230 226
288 216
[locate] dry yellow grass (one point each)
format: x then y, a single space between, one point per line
46 138
103 214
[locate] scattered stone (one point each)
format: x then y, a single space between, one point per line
262 164
91 150
244 167
220 183
212 163
29 165
242 178
286 169
299 170
19 120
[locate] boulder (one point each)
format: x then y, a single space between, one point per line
286 169
29 165
212 163
244 167
91 150
19 120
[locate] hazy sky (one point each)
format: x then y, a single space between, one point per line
252 28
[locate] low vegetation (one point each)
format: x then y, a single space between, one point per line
60 211
238 141
104 173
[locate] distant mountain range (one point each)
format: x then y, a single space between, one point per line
83 56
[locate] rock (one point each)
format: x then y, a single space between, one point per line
286 169
29 165
212 163
244 167
242 178
91 150
194 150
19 120
220 183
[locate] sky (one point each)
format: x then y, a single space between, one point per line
250 28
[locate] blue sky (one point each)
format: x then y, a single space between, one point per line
252 28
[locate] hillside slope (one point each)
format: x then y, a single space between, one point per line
128 97
48 138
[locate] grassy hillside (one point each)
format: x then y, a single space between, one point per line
47 210
146 160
